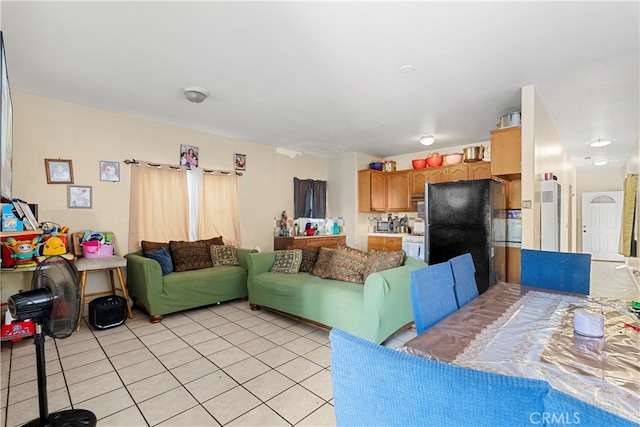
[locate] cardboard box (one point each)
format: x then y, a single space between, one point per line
9 221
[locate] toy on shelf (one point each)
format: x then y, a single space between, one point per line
24 252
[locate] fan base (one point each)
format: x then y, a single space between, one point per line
68 418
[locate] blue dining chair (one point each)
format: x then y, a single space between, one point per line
561 271
464 279
432 295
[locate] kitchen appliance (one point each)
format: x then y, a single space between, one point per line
550 215
387 226
467 217
509 120
473 154
413 246
418 228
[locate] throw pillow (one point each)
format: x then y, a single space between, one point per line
153 246
287 261
348 264
190 255
224 255
213 241
309 258
321 266
383 260
163 258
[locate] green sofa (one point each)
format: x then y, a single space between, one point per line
183 290
372 311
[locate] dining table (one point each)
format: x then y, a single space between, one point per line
529 332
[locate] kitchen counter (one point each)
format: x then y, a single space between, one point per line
321 240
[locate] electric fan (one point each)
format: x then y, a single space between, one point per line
54 304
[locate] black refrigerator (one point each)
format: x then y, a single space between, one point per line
468 216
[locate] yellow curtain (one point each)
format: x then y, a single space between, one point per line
628 214
159 209
218 214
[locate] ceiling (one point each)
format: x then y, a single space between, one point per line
327 77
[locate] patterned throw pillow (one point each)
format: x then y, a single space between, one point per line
348 264
190 255
163 258
321 266
383 260
287 261
309 258
224 255
213 241
148 247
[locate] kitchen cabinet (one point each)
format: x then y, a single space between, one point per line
384 243
419 177
457 172
506 152
372 191
439 174
513 265
479 170
324 241
398 194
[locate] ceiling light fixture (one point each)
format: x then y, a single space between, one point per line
427 140
600 162
195 94
600 142
406 69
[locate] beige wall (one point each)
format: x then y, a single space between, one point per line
48 128
543 151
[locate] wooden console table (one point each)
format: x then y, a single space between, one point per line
325 241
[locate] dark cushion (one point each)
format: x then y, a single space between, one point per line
163 258
287 261
347 264
309 258
224 255
214 241
190 255
383 260
148 247
321 266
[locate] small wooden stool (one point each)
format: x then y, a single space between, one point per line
95 265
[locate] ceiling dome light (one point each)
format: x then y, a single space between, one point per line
195 94
600 162
600 142
427 140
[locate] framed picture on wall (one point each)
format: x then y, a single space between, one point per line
79 196
240 161
189 155
109 171
59 171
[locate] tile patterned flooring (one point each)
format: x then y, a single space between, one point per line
219 365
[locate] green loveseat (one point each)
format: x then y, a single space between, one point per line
372 311
183 290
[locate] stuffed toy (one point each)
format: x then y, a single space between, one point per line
24 252
54 246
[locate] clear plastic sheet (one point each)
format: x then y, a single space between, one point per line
528 332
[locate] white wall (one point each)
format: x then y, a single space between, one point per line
49 128
543 151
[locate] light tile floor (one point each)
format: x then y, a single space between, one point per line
219 365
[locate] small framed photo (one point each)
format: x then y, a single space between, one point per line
109 171
79 196
240 160
59 171
189 155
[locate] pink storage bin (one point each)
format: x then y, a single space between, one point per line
95 249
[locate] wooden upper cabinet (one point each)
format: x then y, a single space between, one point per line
372 191
479 170
457 172
398 191
438 174
419 177
506 151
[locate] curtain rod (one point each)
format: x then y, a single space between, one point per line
178 167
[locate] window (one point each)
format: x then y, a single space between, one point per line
309 198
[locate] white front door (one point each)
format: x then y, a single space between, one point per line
601 216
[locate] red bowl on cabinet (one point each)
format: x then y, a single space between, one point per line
434 161
419 163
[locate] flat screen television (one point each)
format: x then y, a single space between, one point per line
6 141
